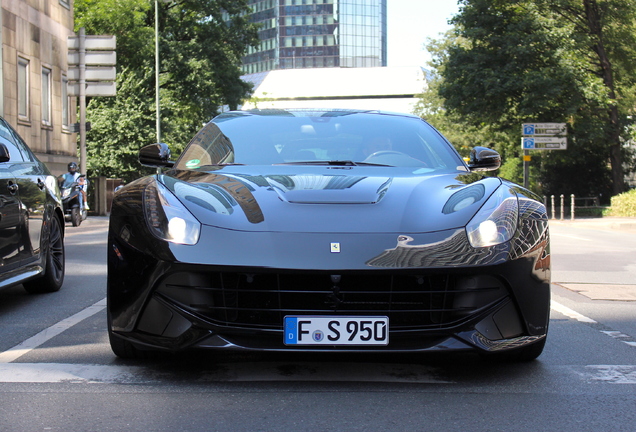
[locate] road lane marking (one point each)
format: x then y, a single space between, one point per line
68 373
626 339
570 313
612 374
259 371
35 341
253 372
229 372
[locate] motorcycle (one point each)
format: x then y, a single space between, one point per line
71 201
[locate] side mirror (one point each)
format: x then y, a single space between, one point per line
4 153
484 159
156 155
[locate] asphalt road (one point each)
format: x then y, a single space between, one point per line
57 371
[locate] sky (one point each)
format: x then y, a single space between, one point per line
409 23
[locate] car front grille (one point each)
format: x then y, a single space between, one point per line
262 300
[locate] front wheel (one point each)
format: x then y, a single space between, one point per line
76 216
53 276
125 349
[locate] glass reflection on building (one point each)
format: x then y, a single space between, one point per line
317 33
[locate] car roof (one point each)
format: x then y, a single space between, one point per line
309 112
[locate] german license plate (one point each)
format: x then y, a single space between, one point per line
336 330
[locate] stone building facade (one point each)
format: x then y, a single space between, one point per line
33 73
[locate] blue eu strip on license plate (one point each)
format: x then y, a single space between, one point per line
336 330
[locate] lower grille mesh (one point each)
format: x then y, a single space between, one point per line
262 300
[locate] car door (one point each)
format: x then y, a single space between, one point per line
30 178
11 226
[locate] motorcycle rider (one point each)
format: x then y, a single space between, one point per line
73 176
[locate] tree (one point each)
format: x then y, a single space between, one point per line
541 61
201 45
460 127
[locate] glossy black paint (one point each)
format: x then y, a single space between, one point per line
263 237
31 220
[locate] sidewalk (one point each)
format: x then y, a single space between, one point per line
601 291
626 224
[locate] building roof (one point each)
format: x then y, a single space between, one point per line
383 88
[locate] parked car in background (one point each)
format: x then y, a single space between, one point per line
326 230
31 218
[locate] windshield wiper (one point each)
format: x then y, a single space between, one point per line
331 163
220 165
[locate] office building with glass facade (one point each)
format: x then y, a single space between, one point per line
298 34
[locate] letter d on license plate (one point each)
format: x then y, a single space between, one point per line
336 330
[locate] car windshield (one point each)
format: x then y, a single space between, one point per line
345 138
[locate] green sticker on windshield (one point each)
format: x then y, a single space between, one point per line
193 163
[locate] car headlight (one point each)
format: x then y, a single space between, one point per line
496 221
168 218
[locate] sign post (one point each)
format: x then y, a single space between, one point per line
541 136
91 72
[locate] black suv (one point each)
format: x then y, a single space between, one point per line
31 218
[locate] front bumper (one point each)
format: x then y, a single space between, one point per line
437 291
199 306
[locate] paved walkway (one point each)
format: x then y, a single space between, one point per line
627 224
596 291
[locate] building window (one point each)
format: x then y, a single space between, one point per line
66 4
23 89
46 96
65 102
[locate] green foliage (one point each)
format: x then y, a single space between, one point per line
119 127
201 45
624 204
129 20
509 62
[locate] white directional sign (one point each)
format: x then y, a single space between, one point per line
94 73
98 65
106 58
103 43
544 129
93 88
544 143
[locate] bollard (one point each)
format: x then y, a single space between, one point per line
572 206
562 206
552 200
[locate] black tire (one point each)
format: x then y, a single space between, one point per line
121 347
127 350
76 216
53 276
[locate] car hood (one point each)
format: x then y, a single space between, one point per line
331 199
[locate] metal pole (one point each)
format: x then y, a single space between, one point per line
158 108
572 206
553 210
526 169
562 205
82 99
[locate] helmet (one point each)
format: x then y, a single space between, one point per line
72 167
